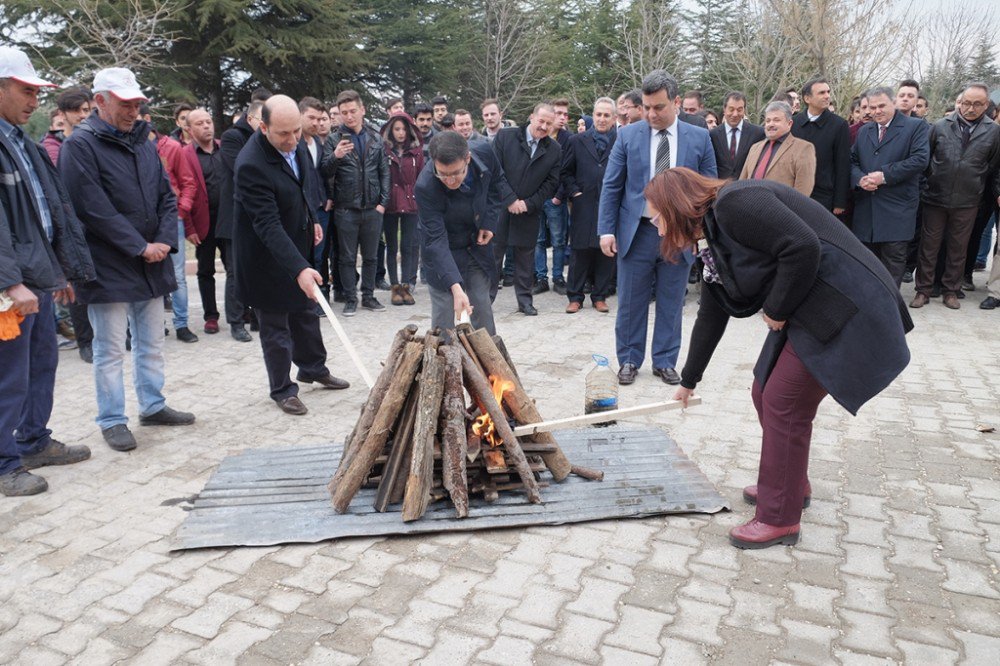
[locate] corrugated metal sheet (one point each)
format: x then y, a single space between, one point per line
271 496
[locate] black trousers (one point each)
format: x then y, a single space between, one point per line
401 237
234 305
358 229
590 263
893 257
81 324
204 252
286 338
524 271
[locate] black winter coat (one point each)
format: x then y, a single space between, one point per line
791 258
233 140
274 233
121 193
533 179
749 135
26 255
831 136
956 178
359 182
582 177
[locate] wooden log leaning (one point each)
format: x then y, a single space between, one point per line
377 393
479 387
345 484
502 347
394 463
421 475
520 404
454 445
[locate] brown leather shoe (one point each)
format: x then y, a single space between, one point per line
951 302
407 295
397 295
327 381
755 534
292 405
573 307
750 495
920 300
601 306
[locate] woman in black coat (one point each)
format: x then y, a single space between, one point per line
837 320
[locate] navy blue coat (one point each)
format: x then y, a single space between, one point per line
122 194
582 177
890 212
274 233
446 250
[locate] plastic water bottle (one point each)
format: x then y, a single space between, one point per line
602 388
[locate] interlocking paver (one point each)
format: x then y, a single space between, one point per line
898 560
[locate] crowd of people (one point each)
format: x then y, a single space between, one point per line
95 218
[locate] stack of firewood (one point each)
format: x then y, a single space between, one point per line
419 440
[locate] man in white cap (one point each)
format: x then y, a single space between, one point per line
41 246
121 194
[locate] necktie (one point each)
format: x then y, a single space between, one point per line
662 152
966 135
881 133
531 146
732 143
761 169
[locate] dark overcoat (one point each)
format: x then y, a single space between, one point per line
831 136
890 212
232 142
122 195
582 176
749 135
274 232
533 179
845 316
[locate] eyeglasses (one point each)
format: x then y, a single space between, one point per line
452 177
973 105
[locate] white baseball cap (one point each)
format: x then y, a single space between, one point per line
120 82
14 64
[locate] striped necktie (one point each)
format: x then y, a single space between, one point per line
662 152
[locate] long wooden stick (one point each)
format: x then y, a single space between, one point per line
602 417
480 389
344 340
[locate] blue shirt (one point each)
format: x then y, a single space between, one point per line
532 141
292 162
16 137
359 139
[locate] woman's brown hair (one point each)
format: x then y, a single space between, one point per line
681 197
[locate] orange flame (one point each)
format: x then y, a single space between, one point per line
483 426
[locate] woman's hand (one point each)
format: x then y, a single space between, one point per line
773 324
683 394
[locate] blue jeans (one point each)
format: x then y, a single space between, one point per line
554 224
27 379
986 243
110 322
180 295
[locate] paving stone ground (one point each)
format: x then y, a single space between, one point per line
898 560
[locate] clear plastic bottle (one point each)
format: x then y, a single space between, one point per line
602 387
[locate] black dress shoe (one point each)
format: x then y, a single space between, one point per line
668 375
627 373
185 334
908 277
327 381
989 303
541 286
119 437
86 353
528 310
168 416
508 281
559 287
239 333
292 405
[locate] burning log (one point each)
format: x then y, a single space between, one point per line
454 445
483 394
521 406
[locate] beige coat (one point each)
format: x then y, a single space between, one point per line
794 164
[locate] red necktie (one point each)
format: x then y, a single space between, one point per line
761 169
732 143
881 133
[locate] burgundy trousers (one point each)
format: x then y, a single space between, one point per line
786 407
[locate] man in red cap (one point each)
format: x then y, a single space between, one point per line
41 246
120 191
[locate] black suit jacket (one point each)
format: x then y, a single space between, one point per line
831 135
273 235
533 179
582 177
749 135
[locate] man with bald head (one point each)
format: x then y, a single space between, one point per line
274 239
